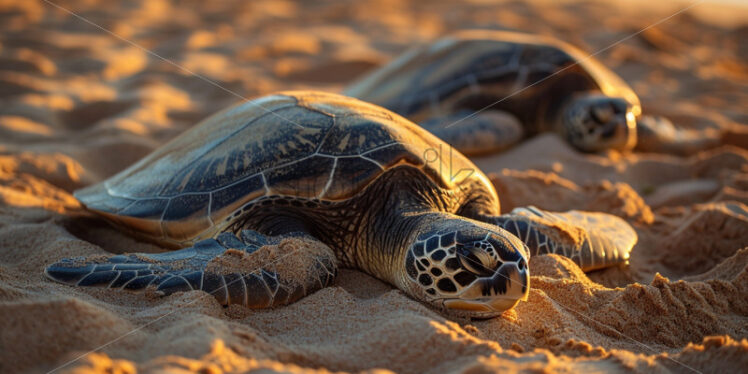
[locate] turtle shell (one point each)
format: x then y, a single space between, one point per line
426 78
307 145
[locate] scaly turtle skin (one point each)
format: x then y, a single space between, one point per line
482 91
360 186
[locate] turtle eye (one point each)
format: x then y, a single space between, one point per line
470 259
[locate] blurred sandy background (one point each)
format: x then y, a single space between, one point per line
78 104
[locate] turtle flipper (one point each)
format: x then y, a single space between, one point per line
591 240
658 134
477 133
255 271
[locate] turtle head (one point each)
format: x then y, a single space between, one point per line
467 268
595 123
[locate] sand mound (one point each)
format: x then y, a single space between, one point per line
80 105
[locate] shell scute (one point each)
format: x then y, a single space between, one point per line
186 206
96 197
544 55
147 208
395 153
474 57
340 106
354 135
230 198
350 172
186 216
306 178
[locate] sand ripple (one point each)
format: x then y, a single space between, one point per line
78 105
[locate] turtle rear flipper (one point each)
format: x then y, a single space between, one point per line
591 240
235 271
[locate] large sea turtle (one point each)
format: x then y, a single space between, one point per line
482 91
344 183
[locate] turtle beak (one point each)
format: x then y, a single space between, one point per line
490 296
620 129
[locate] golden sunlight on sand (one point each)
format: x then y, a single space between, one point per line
79 104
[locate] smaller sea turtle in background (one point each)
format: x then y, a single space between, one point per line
351 184
482 91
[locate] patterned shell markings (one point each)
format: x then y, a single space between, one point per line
302 144
414 79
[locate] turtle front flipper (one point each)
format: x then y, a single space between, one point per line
658 134
253 270
477 133
591 240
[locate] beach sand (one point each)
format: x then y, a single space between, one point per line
79 104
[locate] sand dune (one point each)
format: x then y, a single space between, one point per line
79 104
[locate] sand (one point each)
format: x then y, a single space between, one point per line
79 104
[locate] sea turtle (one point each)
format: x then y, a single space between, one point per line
482 91
343 181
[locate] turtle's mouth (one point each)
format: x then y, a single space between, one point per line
481 298
487 305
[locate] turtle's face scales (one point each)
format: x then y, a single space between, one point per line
595 123
468 270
